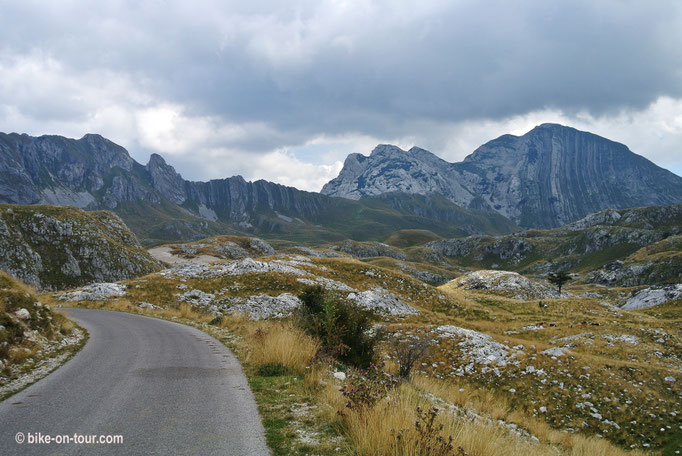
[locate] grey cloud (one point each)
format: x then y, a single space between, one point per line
379 69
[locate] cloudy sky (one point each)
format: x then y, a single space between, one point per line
285 90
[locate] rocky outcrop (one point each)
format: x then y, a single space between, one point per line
653 296
512 248
630 273
391 169
508 283
213 249
54 247
551 176
425 276
94 292
382 302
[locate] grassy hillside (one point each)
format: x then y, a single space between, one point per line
409 238
645 239
335 220
571 376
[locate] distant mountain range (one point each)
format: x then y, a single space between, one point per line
159 205
551 176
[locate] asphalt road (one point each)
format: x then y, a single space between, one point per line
166 388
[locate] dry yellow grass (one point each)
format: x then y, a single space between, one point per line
484 401
185 311
496 406
372 432
274 342
65 325
501 317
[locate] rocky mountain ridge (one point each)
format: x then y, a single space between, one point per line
159 205
551 176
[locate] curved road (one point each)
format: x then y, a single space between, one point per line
166 388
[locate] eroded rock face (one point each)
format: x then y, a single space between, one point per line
551 176
166 180
653 296
52 170
261 246
55 248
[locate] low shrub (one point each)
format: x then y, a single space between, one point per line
217 321
365 388
426 437
407 353
343 330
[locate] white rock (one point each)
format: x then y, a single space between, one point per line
23 314
94 292
340 376
197 298
148 305
479 347
264 306
381 301
243 266
653 296
327 283
558 351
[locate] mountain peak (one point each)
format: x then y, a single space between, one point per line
93 136
156 160
166 180
552 126
386 149
550 176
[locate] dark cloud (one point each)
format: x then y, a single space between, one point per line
307 68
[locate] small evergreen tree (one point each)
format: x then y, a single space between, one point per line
559 279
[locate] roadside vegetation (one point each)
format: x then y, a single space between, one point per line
304 373
370 356
34 340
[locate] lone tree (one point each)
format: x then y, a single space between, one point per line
559 278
